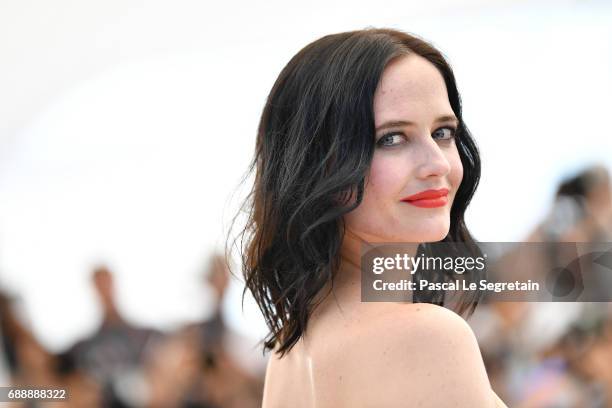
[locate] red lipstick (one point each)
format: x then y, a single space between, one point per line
428 198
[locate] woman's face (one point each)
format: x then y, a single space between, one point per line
415 151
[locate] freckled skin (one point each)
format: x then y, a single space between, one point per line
356 354
411 89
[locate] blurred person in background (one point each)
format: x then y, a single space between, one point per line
124 366
82 388
5 350
196 366
582 209
574 371
228 379
4 371
583 355
213 330
209 353
171 368
29 364
552 354
112 356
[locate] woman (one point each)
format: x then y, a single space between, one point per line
356 124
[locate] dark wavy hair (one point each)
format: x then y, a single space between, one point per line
314 146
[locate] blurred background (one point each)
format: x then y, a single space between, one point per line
127 126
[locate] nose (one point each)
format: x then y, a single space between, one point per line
432 160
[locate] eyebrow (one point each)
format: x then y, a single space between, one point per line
399 123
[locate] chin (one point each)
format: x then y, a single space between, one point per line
435 239
432 234
425 235
432 231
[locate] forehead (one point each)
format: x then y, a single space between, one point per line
410 88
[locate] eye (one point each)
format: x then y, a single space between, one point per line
391 139
444 133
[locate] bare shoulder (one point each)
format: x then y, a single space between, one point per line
419 354
386 355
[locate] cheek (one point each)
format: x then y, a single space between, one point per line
385 183
386 178
456 171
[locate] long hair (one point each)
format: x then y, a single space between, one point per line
315 143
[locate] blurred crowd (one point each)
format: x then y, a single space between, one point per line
545 355
557 354
122 365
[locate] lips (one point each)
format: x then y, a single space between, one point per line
428 198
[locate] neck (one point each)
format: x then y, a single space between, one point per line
347 282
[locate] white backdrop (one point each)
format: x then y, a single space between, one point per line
126 126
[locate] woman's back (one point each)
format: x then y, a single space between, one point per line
381 355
